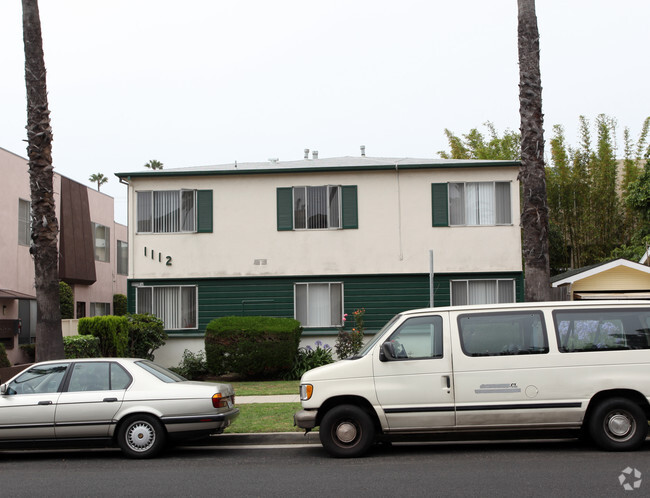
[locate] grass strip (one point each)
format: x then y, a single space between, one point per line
266 388
265 417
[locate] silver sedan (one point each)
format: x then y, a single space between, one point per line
133 403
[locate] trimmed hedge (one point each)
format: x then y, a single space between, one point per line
252 346
119 305
112 331
81 346
4 360
146 334
66 300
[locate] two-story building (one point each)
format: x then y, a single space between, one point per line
316 238
92 251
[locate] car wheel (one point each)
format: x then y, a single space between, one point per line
618 424
141 436
347 431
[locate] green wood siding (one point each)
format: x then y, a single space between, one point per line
349 206
382 296
204 211
439 205
285 208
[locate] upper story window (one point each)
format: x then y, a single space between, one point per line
317 207
122 258
174 211
102 238
24 222
471 204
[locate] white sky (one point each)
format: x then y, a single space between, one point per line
203 82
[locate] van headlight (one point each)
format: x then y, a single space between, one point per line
306 390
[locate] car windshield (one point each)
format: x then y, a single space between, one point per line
375 339
160 372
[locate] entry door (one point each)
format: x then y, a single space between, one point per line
414 386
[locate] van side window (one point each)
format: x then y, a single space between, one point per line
418 338
499 334
602 329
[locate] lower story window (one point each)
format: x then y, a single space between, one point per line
319 304
482 291
100 309
174 305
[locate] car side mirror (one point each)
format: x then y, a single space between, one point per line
388 351
3 389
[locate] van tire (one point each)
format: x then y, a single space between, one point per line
618 424
347 431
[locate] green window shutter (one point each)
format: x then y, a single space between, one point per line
285 208
349 207
439 205
204 211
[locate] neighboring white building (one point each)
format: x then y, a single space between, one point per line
92 250
316 238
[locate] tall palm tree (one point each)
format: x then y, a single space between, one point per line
534 217
45 227
154 164
99 179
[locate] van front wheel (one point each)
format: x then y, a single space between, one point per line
618 424
346 431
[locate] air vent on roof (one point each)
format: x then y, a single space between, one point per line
314 154
306 153
274 160
363 151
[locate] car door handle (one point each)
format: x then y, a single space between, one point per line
45 402
110 400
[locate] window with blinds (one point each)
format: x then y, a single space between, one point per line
319 304
167 211
317 207
176 306
24 222
479 203
482 291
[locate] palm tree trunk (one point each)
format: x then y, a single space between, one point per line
45 227
534 217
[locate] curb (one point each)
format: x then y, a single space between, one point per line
264 438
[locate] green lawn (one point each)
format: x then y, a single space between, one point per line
265 417
263 388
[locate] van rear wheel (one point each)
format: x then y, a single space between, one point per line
347 431
618 424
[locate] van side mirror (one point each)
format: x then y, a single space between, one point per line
387 351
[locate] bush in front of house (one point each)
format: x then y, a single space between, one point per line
66 301
112 331
252 346
308 358
192 366
119 305
81 346
4 360
146 334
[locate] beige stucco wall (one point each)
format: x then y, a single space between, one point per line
394 235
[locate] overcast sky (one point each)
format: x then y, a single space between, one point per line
203 82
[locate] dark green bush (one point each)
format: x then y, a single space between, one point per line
29 350
146 334
192 366
119 305
112 331
4 361
66 301
81 346
252 346
308 358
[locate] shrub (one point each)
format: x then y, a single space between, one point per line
146 333
81 346
350 343
66 301
192 366
252 346
119 305
4 360
29 350
112 331
308 358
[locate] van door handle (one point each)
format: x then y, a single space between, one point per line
110 400
448 380
48 402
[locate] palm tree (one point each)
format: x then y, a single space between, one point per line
534 217
99 179
45 226
154 164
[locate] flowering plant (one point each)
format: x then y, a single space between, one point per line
350 343
308 358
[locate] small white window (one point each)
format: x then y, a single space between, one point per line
482 291
24 222
176 306
102 237
319 304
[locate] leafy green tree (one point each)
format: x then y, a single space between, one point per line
476 145
99 179
154 164
67 300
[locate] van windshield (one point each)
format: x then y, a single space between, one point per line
377 336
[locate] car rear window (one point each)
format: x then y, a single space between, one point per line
160 372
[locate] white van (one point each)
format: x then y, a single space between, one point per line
566 365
